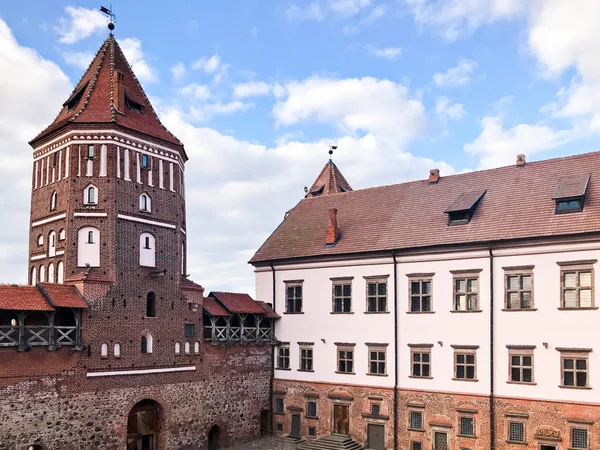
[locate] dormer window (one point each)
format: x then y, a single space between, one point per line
74 100
461 211
134 106
569 194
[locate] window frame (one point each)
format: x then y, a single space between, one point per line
377 297
461 432
309 360
420 278
521 351
465 350
90 152
410 421
278 400
520 272
186 330
575 355
345 347
577 267
341 283
522 422
420 349
467 276
574 428
308 414
282 358
376 348
298 300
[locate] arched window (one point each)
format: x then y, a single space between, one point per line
104 350
145 203
146 342
117 350
51 273
60 273
52 243
42 273
41 239
196 347
62 235
33 276
147 250
187 348
88 247
90 195
53 200
151 305
177 348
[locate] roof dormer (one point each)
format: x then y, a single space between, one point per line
463 208
569 194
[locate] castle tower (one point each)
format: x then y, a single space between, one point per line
329 181
108 215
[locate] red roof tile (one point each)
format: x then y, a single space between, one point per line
63 295
22 298
237 303
517 204
190 285
329 181
268 310
99 103
214 308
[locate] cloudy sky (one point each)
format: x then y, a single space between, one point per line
258 89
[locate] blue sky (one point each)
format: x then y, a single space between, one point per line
257 89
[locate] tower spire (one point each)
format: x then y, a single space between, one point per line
111 16
330 180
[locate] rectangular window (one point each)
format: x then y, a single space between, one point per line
420 359
516 432
306 358
520 365
90 151
189 330
415 445
415 420
283 357
420 295
375 409
466 293
376 360
465 364
376 296
311 408
293 298
55 159
467 426
519 288
345 359
145 161
279 409
574 369
577 290
312 431
279 426
342 298
579 438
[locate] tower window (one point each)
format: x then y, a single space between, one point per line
53 200
90 239
147 250
146 342
145 203
90 195
134 106
40 240
90 151
62 235
88 247
74 100
145 161
55 159
151 305
147 242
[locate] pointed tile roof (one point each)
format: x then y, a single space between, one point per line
329 181
109 92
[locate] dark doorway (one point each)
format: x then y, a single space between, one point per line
143 426
264 423
295 428
547 447
376 436
341 419
214 438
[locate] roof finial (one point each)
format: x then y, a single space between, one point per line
108 11
331 149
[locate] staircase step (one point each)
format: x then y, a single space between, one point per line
333 442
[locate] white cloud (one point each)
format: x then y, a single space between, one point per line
447 110
178 71
208 65
251 89
353 104
497 146
457 18
319 9
33 89
132 49
80 24
374 15
80 60
386 53
348 7
456 76
312 12
196 91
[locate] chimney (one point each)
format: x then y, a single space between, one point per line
118 91
434 176
520 160
333 231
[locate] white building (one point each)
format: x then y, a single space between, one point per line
414 315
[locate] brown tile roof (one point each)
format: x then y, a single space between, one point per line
63 295
329 181
465 201
237 302
269 313
189 285
98 104
572 186
22 298
214 308
517 204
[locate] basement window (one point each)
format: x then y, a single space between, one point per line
569 194
134 106
462 209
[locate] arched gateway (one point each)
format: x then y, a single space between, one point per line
143 426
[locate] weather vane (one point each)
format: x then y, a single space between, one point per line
108 11
331 149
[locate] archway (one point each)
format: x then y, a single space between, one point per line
143 426
214 438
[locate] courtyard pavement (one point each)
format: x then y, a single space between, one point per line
267 443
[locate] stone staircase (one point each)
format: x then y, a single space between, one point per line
333 442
